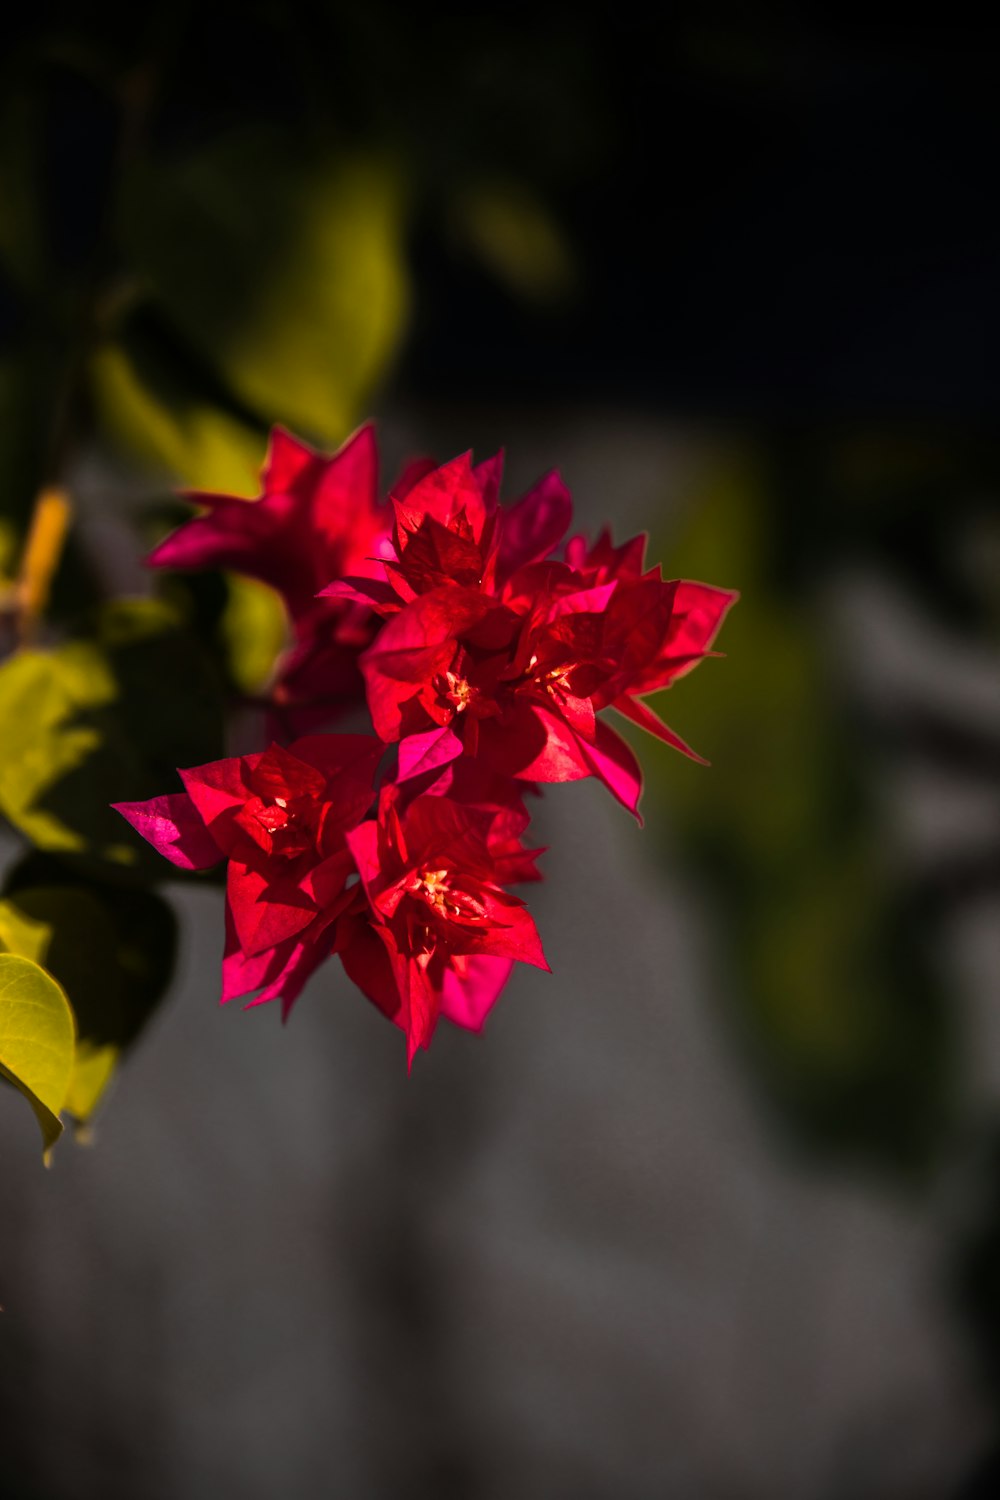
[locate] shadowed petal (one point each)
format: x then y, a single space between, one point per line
533 745
488 476
373 592
365 957
516 939
264 916
612 760
535 525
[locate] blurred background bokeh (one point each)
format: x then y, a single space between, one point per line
714 1211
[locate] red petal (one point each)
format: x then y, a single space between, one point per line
411 649
603 560
433 555
419 753
641 714
287 458
219 790
532 744
348 486
355 755
535 525
468 995
422 1006
488 475
264 915
366 962
698 613
325 885
446 491
279 773
376 593
363 844
612 760
175 828
294 963
517 938
240 974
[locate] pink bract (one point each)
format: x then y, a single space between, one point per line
433 870
317 517
485 661
280 818
519 672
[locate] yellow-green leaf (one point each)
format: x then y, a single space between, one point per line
112 952
37 1040
95 722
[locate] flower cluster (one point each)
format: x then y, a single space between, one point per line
485 661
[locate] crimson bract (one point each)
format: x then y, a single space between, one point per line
486 661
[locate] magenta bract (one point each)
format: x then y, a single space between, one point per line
484 659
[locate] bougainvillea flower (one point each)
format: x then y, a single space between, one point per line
280 818
445 532
655 654
500 799
520 677
439 932
280 972
318 517
486 660
450 531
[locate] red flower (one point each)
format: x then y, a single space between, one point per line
317 518
487 661
450 532
437 933
280 818
520 675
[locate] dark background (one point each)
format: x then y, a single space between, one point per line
716 1210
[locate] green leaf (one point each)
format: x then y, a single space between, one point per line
112 950
282 269
104 719
36 1040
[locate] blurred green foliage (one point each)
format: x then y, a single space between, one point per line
283 277
99 720
831 968
282 270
